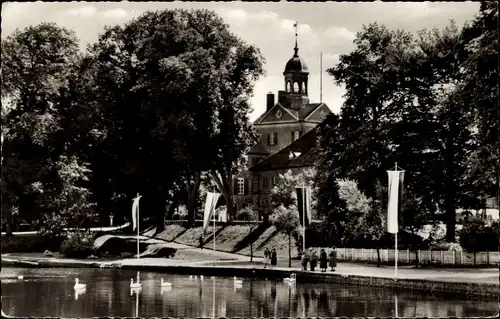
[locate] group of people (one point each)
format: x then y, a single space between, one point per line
310 256
270 257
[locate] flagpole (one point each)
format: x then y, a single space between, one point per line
213 215
138 227
396 237
303 218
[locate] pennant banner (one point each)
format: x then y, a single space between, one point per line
304 204
395 196
210 203
135 212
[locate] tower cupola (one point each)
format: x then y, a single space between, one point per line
296 75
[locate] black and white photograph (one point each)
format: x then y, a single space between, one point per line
247 159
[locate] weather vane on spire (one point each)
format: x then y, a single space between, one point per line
296 34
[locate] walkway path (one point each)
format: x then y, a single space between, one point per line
192 256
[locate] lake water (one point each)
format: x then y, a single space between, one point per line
50 292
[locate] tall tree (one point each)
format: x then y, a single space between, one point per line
402 105
480 92
37 63
173 87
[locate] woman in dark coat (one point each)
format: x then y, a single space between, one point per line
333 259
274 258
314 260
323 260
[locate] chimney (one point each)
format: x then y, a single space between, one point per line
270 101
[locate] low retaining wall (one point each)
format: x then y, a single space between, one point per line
463 288
407 257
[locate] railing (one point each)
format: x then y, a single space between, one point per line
442 257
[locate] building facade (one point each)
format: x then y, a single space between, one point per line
287 137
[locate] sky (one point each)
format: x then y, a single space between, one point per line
327 27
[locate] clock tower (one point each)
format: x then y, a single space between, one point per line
286 134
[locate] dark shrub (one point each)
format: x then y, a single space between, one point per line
30 243
77 245
478 235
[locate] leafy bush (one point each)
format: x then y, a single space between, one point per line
248 213
478 235
30 244
77 245
446 246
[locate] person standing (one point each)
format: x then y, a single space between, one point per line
201 241
305 260
267 256
323 260
274 258
314 260
333 259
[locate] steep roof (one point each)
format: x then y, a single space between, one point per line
301 114
305 145
259 148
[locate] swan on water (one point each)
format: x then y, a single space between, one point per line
190 276
237 281
134 285
79 285
20 277
291 279
165 283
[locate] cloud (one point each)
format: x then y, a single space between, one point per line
85 12
339 35
117 13
234 15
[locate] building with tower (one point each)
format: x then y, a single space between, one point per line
287 136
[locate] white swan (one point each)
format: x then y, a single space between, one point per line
79 285
237 281
292 279
190 276
20 277
134 285
165 283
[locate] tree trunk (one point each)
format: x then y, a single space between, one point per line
9 225
416 258
450 195
251 251
289 251
192 195
378 257
474 258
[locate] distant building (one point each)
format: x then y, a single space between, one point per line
287 131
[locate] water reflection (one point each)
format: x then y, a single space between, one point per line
108 293
79 292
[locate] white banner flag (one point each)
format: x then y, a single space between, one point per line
135 212
210 203
393 202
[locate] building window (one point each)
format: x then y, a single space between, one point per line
265 182
273 138
241 186
274 180
256 184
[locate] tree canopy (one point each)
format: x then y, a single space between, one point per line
421 101
148 108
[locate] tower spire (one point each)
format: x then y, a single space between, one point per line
296 49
